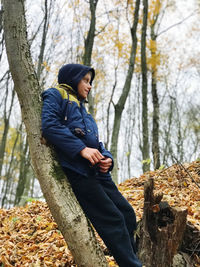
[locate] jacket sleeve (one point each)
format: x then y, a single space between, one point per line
53 130
106 153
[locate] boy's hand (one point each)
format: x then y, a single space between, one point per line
92 154
105 164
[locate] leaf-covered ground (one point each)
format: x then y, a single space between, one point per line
180 185
30 237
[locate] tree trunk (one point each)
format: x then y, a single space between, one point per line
167 150
191 241
8 175
162 229
155 130
145 131
6 125
89 42
57 191
119 107
108 110
43 42
23 170
27 189
1 35
155 100
1 19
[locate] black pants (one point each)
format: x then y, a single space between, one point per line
110 213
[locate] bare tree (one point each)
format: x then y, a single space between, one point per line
1 34
89 42
119 107
43 42
155 99
23 169
145 131
6 189
6 120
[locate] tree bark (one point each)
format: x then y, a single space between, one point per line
43 42
23 170
6 125
155 130
1 19
155 99
6 189
191 240
1 34
167 150
162 230
89 42
145 131
119 107
57 191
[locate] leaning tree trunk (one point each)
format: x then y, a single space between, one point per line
57 192
161 230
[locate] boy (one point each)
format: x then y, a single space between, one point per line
87 164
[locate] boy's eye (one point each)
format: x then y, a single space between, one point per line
86 80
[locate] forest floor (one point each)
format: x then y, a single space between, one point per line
30 237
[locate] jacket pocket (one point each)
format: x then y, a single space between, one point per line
78 132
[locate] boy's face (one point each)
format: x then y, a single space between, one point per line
84 86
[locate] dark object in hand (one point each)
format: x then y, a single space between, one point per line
79 132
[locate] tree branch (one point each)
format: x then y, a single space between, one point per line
178 23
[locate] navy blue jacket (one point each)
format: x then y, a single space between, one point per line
62 114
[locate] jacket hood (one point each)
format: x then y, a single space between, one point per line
71 74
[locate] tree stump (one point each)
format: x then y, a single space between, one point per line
191 242
161 231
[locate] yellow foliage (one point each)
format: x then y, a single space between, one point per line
74 3
154 10
131 4
112 263
114 43
154 59
46 66
11 140
1 128
153 46
154 62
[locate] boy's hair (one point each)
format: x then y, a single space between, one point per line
90 73
71 74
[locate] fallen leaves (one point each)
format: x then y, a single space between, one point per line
179 185
30 237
